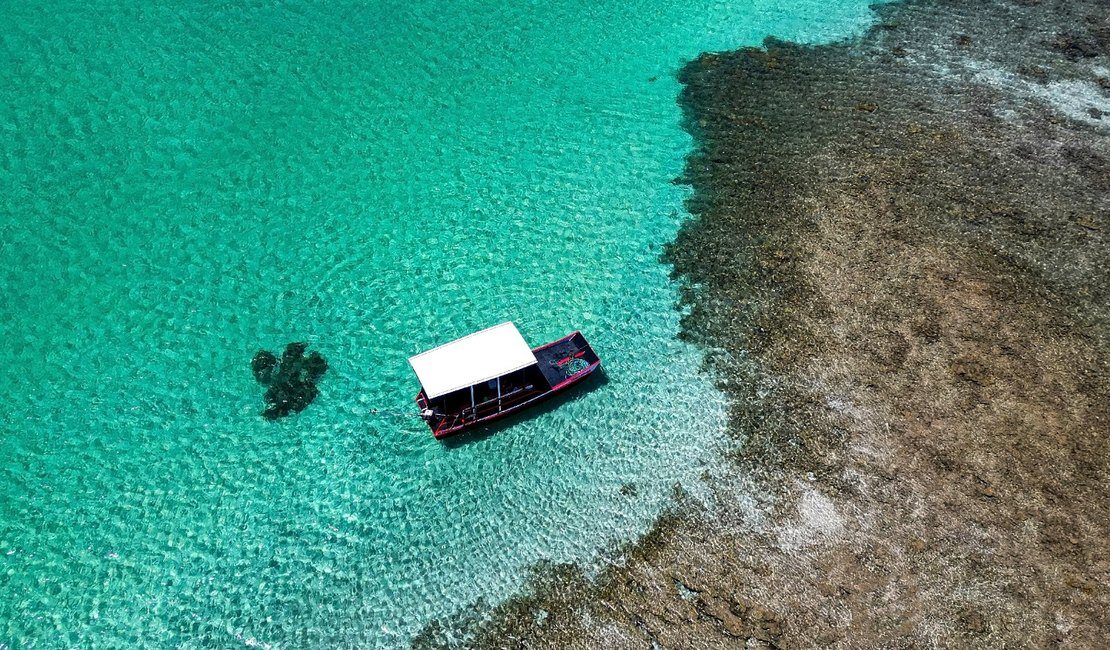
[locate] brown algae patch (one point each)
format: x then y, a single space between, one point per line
898 270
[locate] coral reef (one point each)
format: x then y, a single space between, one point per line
291 382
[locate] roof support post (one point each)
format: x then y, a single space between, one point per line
498 394
473 408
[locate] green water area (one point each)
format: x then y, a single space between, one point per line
184 184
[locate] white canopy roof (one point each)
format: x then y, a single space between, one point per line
479 357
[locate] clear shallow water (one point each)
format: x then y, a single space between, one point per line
180 186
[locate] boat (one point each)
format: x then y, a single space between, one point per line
493 373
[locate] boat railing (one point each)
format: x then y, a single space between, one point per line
488 408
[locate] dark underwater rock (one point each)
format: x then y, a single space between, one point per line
1076 47
288 397
262 365
293 353
292 361
315 366
291 382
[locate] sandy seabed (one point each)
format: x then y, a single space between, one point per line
898 269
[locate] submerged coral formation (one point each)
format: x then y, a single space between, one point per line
898 270
291 382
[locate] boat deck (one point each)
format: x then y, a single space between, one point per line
558 365
561 360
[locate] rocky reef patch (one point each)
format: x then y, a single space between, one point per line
290 381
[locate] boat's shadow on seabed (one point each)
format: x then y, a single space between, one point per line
596 380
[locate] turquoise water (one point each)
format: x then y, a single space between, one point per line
182 184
